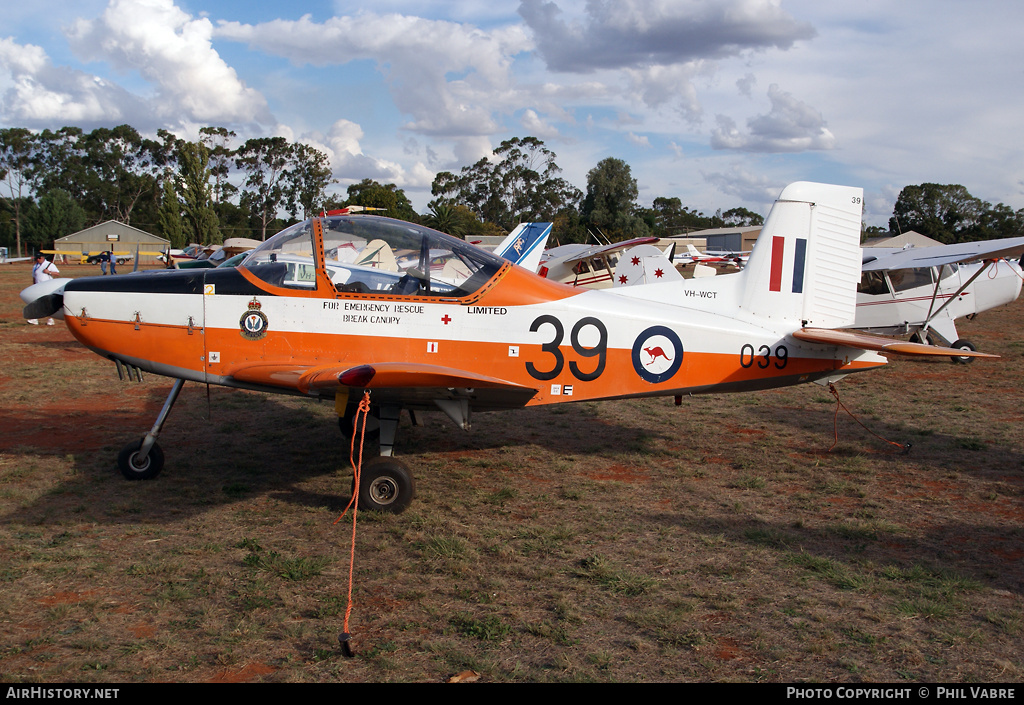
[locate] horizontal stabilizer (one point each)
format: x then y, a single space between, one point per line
878 343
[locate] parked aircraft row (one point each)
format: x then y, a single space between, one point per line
350 307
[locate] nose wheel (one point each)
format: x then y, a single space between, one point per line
144 459
136 467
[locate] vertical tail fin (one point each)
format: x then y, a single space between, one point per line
525 245
806 264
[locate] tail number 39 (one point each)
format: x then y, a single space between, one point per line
762 357
585 331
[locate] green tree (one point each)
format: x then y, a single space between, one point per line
1000 221
265 162
522 186
371 194
610 203
169 216
741 218
947 213
18 149
307 180
217 141
198 219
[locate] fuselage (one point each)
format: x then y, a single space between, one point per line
901 301
243 327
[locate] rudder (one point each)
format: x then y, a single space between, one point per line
806 263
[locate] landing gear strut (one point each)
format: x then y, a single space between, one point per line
144 459
386 484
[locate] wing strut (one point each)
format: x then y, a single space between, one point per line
928 319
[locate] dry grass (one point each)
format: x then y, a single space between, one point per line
626 541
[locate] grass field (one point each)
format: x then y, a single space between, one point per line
624 541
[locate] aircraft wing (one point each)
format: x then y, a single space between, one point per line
960 253
879 343
605 249
411 383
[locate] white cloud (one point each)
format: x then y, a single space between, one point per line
637 33
790 126
661 85
448 77
38 93
534 125
173 52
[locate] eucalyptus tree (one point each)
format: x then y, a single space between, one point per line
265 161
18 147
520 184
217 141
308 177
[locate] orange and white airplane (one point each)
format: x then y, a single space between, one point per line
431 322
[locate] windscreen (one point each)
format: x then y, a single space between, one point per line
370 254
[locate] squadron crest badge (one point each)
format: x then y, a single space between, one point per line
254 322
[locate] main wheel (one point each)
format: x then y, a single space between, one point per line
386 485
964 345
134 469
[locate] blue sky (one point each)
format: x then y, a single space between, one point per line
718 102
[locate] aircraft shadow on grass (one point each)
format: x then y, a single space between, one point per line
240 445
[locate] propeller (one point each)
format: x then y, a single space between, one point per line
44 307
44 299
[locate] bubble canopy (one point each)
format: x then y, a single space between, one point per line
370 254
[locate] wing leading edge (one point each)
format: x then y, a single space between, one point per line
402 381
878 343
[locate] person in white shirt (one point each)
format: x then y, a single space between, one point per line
43 271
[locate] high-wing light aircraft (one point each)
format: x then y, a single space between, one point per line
921 291
450 326
590 266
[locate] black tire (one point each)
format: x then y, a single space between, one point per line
386 485
963 345
127 461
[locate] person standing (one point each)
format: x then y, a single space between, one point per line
103 258
42 271
112 260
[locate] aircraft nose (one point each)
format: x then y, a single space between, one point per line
44 299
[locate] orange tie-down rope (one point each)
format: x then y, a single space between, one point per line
905 448
353 504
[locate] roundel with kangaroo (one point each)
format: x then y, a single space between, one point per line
657 354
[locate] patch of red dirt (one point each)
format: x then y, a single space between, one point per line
143 631
243 674
619 473
727 650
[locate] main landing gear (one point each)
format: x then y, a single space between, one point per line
386 484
